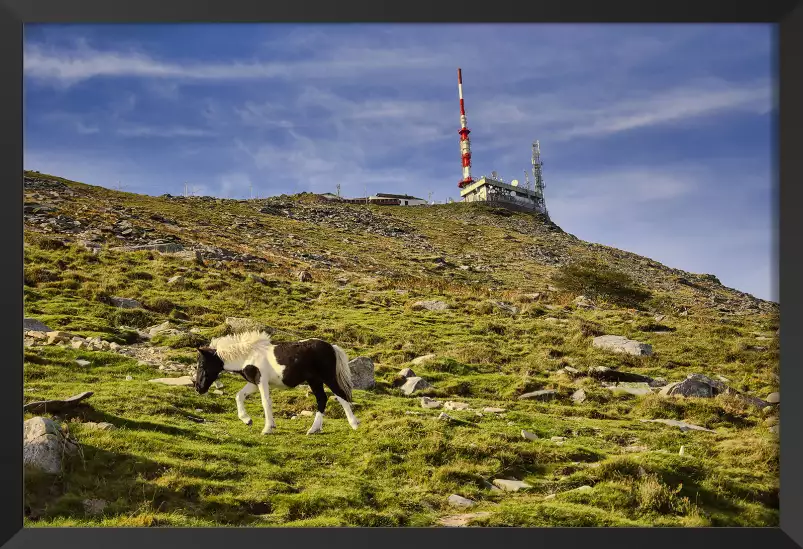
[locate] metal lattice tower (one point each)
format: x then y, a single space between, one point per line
538 179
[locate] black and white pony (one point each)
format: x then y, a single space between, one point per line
265 365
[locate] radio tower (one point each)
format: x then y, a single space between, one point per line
538 179
465 145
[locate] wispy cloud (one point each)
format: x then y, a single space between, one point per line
172 131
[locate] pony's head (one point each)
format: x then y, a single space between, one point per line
209 367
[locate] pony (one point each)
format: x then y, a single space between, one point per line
265 365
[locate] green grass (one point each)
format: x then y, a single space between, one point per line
161 468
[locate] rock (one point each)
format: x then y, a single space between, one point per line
723 379
102 426
528 435
695 385
44 445
94 506
362 373
510 485
115 346
414 384
126 303
406 372
774 398
239 325
542 396
177 280
460 501
430 306
549 497
491 410
56 406
430 404
183 381
257 279
451 405
584 488
422 359
33 325
444 417
457 521
583 303
682 450
579 396
58 337
569 371
558 439
636 389
78 344
83 362
306 413
218 384
304 276
165 248
506 308
683 426
619 344
129 378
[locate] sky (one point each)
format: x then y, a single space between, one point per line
656 139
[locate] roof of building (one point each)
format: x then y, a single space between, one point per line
407 196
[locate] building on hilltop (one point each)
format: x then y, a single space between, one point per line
385 199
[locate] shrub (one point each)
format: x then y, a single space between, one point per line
598 281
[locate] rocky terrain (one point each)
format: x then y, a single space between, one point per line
508 373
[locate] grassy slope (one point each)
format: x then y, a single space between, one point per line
160 468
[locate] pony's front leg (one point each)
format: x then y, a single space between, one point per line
240 400
267 405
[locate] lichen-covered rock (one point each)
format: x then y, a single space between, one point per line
620 344
362 373
414 384
44 445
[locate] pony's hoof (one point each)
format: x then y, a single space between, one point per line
313 431
267 431
250 422
355 425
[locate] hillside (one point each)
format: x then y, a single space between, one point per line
485 305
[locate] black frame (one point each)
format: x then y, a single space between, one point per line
788 14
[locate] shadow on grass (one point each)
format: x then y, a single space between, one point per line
126 483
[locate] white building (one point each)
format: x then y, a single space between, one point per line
404 199
508 195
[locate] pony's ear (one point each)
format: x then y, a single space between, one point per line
206 350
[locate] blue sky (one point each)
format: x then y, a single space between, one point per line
657 139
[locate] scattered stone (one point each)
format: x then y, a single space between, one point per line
306 413
56 406
774 398
102 426
510 485
451 405
528 435
695 385
126 303
506 308
683 426
460 501
558 439
217 392
682 451
579 396
569 371
44 444
422 359
583 302
304 276
457 521
549 497
58 337
257 279
444 417
635 449
491 410
603 373
407 372
584 488
723 379
129 378
637 389
659 318
83 362
430 404
177 280
429 306
362 373
33 325
414 384
218 384
543 395
620 344
94 506
183 381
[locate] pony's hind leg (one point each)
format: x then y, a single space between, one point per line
320 398
249 388
353 421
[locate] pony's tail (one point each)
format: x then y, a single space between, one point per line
343 372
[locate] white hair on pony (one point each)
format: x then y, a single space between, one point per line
233 347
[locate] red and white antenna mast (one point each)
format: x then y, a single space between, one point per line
465 144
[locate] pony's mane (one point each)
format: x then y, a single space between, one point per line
236 346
